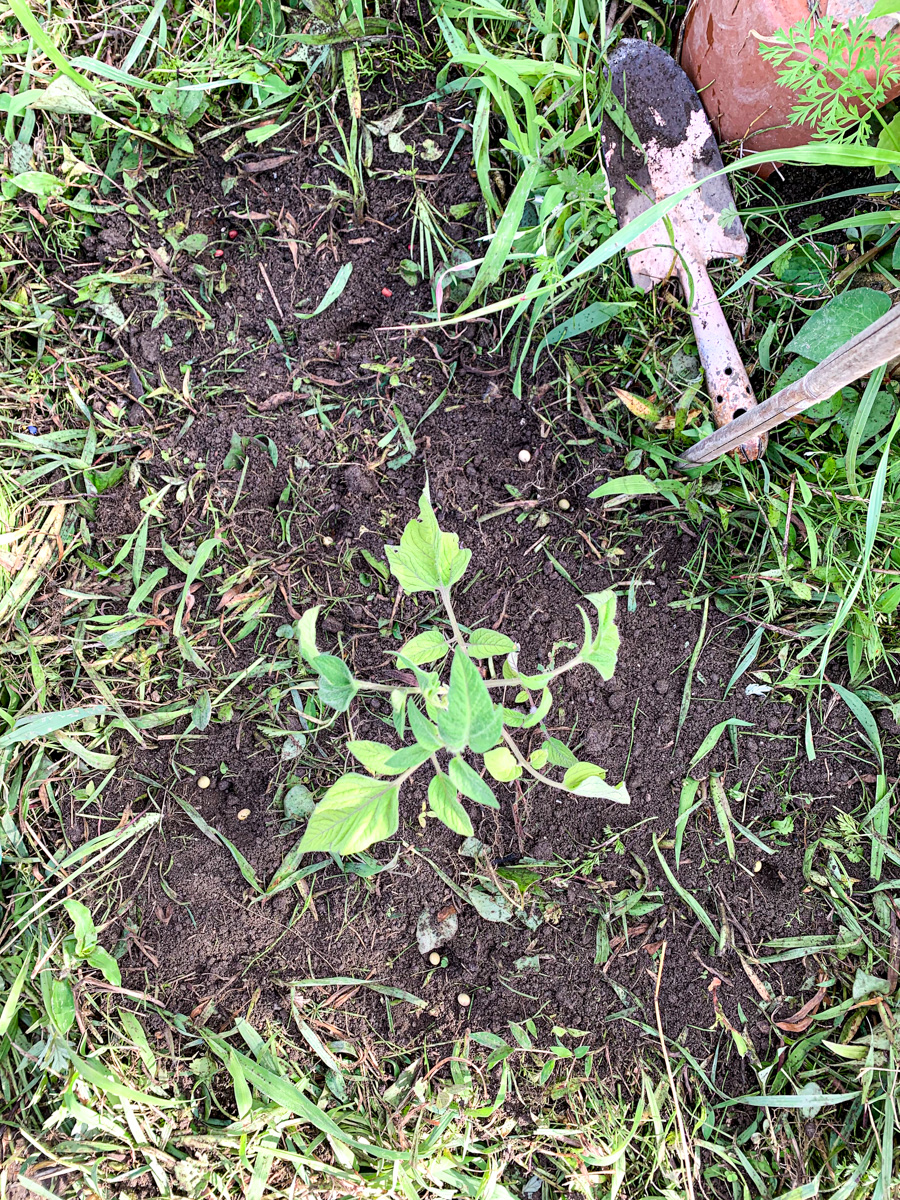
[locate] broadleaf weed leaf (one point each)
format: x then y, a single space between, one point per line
470 718
501 764
337 687
601 649
427 559
355 812
306 634
470 783
444 803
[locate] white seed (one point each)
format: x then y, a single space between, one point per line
757 867
327 541
434 958
464 999
243 814
203 782
524 457
564 504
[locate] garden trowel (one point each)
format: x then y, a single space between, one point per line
659 108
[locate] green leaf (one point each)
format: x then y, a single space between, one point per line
427 559
558 753
406 758
866 720
337 687
298 802
354 812
601 649
202 711
470 718
584 779
627 485
423 730
306 634
426 647
334 291
490 908
470 783
61 1005
712 738
844 316
11 1004
373 756
880 414
594 316
243 1097
884 8
29 728
579 772
502 765
107 965
85 932
487 643
444 803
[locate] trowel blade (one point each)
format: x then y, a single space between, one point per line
678 147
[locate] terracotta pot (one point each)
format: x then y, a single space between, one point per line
737 86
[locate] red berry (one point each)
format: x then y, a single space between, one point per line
387 293
232 233
218 254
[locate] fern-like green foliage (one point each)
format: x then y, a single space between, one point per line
841 75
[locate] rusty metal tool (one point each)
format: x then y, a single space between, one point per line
678 148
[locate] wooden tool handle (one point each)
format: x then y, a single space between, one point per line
726 379
876 345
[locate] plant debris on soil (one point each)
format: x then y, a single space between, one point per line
273 434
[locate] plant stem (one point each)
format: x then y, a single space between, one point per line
551 675
454 624
526 765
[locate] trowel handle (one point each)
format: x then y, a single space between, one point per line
726 380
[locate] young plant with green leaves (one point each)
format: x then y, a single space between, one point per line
442 721
841 74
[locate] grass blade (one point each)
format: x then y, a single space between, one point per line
694 905
688 683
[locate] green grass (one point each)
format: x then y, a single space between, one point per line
105 1093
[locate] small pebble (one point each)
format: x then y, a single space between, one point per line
524 457
464 999
243 814
434 958
564 504
203 782
387 293
757 867
218 253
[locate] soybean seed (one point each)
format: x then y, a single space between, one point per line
243 814
464 1000
434 958
203 781
524 457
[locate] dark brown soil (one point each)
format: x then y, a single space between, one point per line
194 934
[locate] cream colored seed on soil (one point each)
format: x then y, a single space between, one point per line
243 814
524 457
464 999
564 504
434 958
203 782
